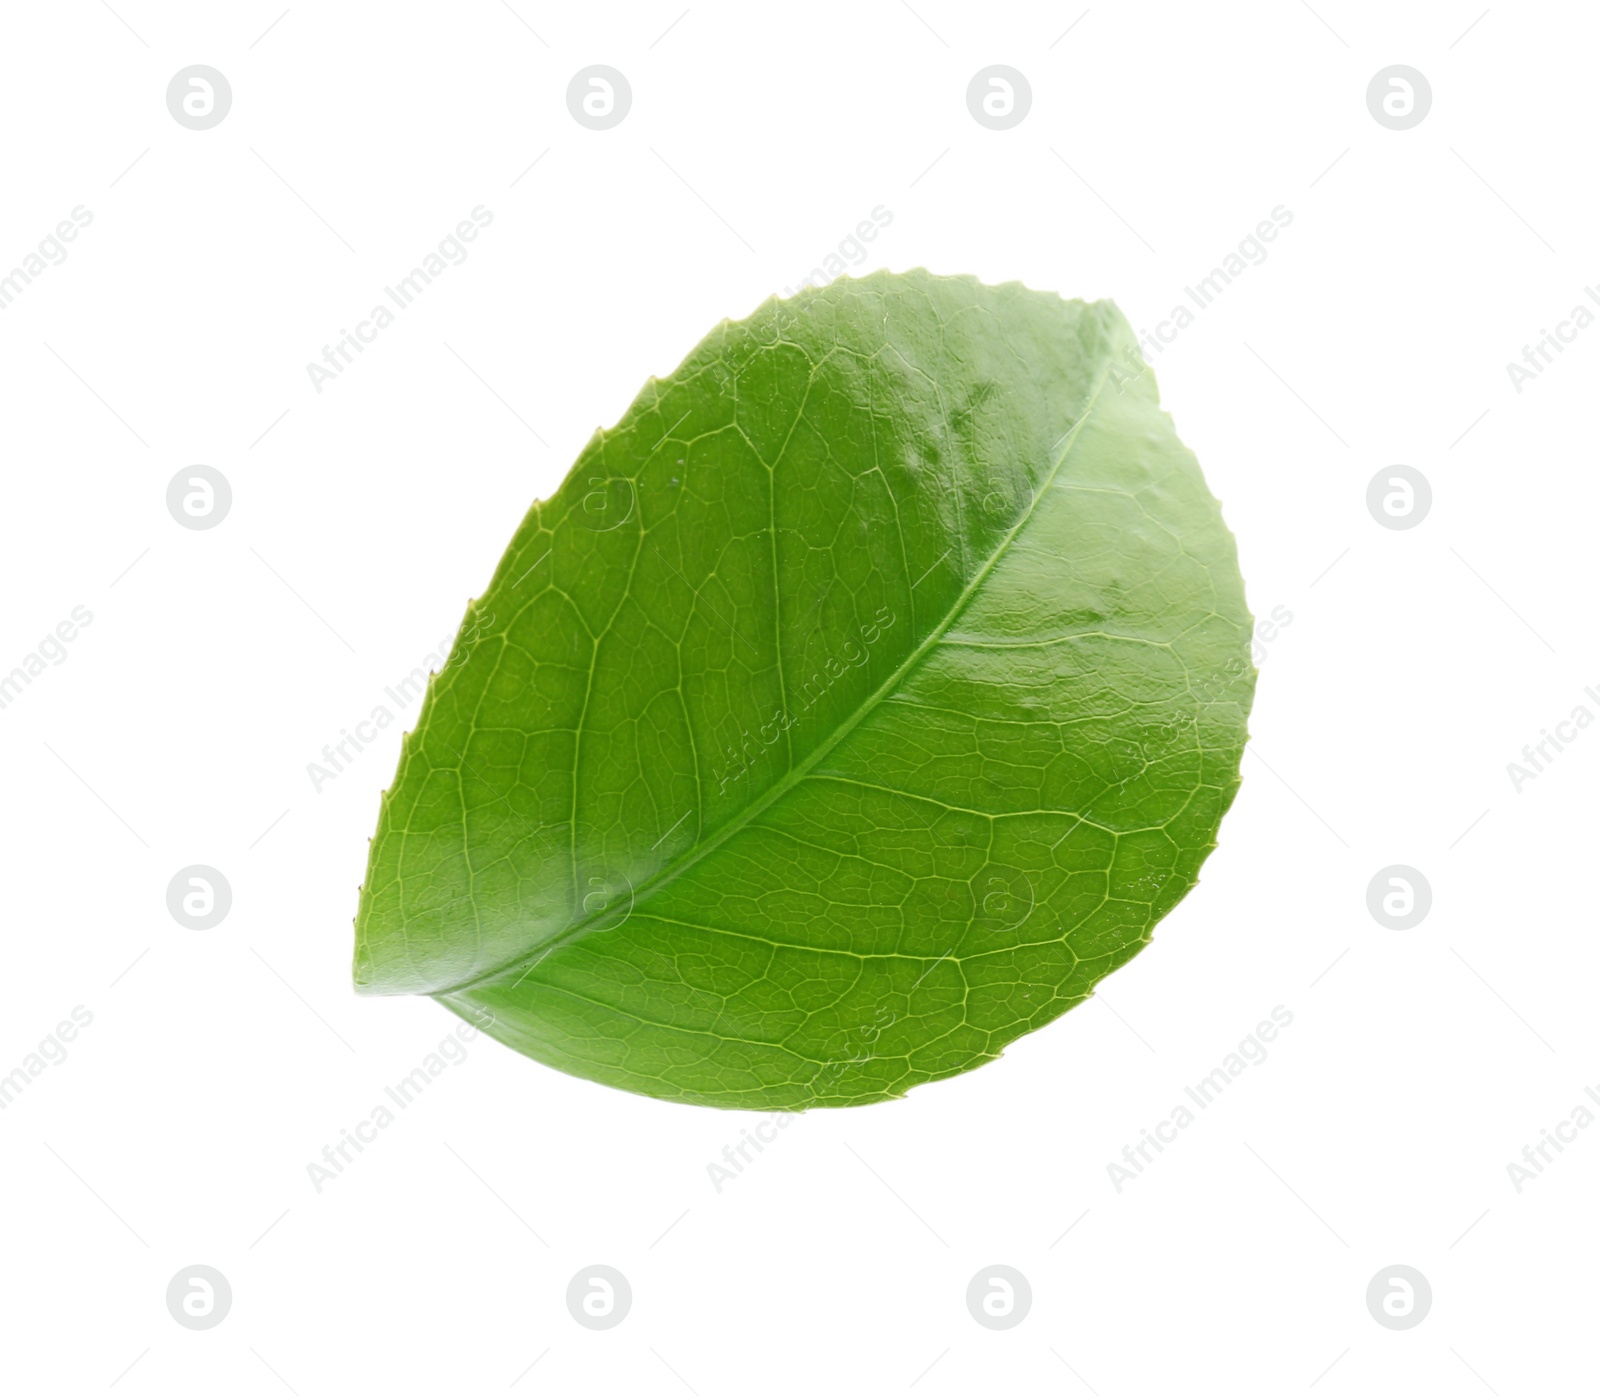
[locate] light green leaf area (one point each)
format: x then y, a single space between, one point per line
861 699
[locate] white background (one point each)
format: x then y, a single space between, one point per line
218 664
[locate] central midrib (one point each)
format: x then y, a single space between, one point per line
669 872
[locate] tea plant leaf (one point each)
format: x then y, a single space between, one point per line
861 699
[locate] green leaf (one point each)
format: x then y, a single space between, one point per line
863 697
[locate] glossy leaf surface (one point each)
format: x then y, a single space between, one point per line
862 698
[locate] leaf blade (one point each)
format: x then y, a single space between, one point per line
796 935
